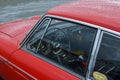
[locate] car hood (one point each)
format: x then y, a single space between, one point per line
18 29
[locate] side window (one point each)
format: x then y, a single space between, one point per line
108 59
64 43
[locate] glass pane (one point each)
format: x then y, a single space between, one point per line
36 37
108 59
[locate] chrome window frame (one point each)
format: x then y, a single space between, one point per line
94 54
96 44
39 23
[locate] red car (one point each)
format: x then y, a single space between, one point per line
74 41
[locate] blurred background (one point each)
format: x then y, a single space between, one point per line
20 9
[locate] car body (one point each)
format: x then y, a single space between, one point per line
79 40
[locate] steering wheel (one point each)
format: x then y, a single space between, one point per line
56 37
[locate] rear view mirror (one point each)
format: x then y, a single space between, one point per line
99 76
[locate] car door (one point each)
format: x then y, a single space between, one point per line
58 48
33 68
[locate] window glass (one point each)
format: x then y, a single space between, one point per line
35 38
108 59
65 43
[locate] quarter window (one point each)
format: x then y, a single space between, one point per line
65 43
108 59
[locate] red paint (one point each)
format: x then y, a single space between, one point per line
105 13
38 68
98 12
11 34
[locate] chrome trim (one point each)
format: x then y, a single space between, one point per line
118 36
73 20
86 23
43 33
16 67
3 60
94 53
27 74
110 31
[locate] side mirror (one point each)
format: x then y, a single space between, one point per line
99 76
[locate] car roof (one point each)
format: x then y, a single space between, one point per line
105 13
